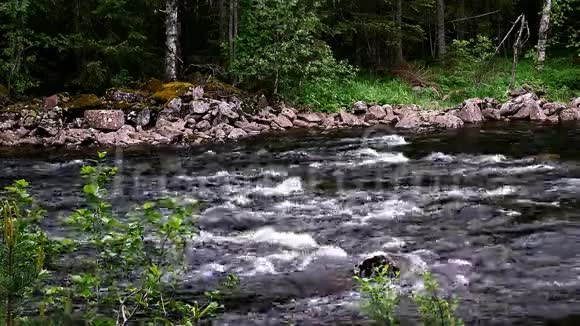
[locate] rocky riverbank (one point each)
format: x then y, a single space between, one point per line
179 113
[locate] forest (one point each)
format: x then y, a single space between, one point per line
317 53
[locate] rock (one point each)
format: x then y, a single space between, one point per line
203 125
125 95
310 117
143 118
405 109
289 113
390 116
51 122
8 138
170 132
237 133
328 121
225 127
220 134
552 108
349 119
166 92
199 107
411 120
470 113
49 103
282 121
78 136
251 127
536 113
570 115
554 118
190 123
226 110
359 107
575 104
368 267
524 112
447 121
106 139
197 93
491 114
7 125
375 113
262 103
174 106
301 123
83 101
105 119
518 92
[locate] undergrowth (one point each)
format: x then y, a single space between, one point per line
449 86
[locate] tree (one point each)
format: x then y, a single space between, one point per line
399 23
441 44
543 33
172 36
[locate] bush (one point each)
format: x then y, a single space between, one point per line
433 309
380 297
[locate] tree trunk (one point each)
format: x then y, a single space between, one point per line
543 33
399 58
461 23
172 32
441 45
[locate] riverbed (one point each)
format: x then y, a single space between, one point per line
493 212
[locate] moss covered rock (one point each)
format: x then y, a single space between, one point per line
84 101
169 91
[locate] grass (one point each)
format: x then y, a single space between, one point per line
560 80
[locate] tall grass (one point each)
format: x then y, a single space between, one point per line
560 80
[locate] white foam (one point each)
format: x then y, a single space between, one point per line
459 262
287 239
501 191
498 158
316 165
208 270
438 156
538 203
392 209
288 187
394 243
331 251
222 174
462 280
529 168
394 140
241 200
386 158
261 266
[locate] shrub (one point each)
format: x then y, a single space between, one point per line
433 309
380 296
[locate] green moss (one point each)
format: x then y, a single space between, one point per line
152 86
222 88
83 101
171 91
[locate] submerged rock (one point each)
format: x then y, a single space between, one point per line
368 267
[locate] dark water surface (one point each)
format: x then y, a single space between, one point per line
494 213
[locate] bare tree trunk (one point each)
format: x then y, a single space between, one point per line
172 32
460 15
543 33
399 58
441 45
521 39
223 21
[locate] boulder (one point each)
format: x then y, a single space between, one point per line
390 116
166 92
125 95
405 109
570 114
375 113
349 119
446 121
328 121
7 125
359 107
508 109
524 112
51 122
174 105
227 110
106 138
536 113
470 113
282 121
199 107
310 117
289 113
301 123
410 120
491 114
575 104
369 266
237 133
203 125
552 108
143 118
105 119
250 127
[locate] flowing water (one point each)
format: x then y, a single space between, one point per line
494 213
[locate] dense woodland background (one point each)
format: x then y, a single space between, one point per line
283 47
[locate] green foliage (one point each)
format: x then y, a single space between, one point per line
470 58
565 20
277 47
22 252
434 310
380 297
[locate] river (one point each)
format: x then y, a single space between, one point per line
494 212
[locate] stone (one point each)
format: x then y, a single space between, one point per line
282 121
174 105
226 110
349 119
237 133
411 120
310 117
447 121
170 132
124 95
508 109
7 125
552 108
524 112
301 123
570 115
164 93
49 103
199 107
575 103
190 123
106 138
143 118
376 113
470 113
51 122
370 264
8 138
251 127
553 118
405 109
220 134
289 113
359 107
390 116
105 119
491 114
203 125
197 93
83 101
536 113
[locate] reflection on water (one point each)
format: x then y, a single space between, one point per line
493 213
